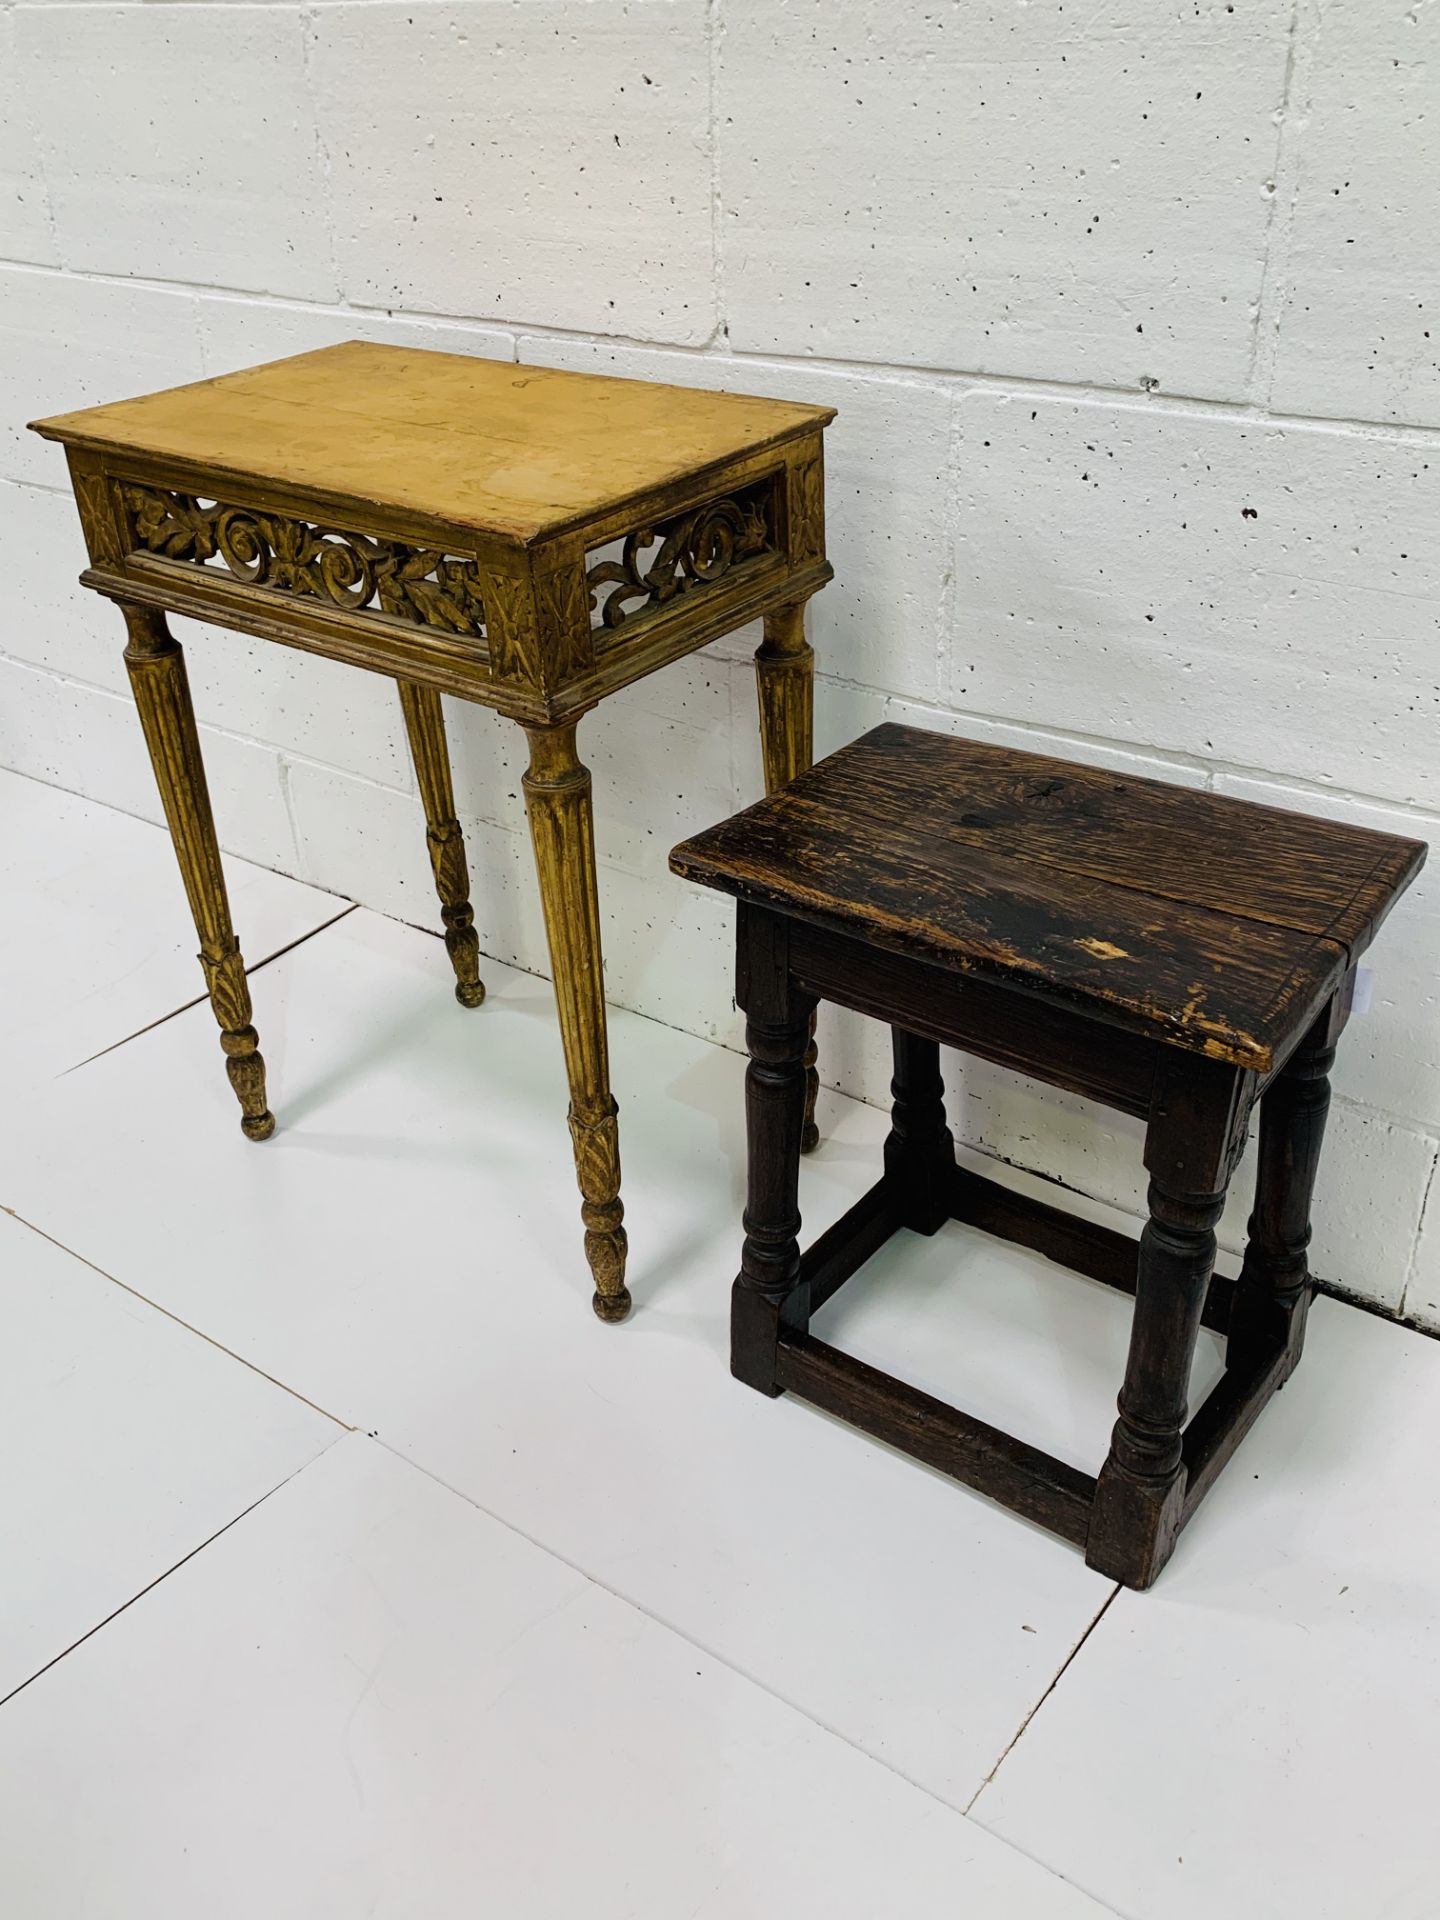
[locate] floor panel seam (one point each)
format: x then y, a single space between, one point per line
1064 1668
199 999
199 1332
680 1633
151 1585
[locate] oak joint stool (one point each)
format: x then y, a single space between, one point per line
1179 955
527 539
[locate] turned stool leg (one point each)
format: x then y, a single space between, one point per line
1141 1490
557 801
1273 1294
777 1031
425 724
785 686
920 1150
162 695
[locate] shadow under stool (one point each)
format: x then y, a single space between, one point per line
526 539
1182 956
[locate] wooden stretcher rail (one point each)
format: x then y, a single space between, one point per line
845 1247
1097 1252
1231 1408
1021 1477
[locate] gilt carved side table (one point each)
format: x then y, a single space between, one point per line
528 539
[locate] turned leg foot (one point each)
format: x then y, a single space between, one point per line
425 724
557 802
230 999
1140 1494
596 1141
156 667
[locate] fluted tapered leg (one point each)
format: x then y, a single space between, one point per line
785 686
425 724
557 801
162 696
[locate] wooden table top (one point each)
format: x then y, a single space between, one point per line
1212 923
512 451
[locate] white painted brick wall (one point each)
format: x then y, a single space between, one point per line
1068 192
25 228
68 341
1359 321
1208 584
179 142
1127 311
547 161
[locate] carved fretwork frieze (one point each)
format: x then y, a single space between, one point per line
353 571
696 549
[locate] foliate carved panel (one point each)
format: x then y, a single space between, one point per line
596 1138
92 498
514 641
564 610
228 987
807 510
421 586
695 550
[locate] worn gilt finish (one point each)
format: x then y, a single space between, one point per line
162 695
557 803
527 539
1179 955
425 724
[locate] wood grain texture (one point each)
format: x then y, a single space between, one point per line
1211 923
906 878
527 539
425 726
1158 1468
1056 1042
517 452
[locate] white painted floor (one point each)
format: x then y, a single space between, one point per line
352 1567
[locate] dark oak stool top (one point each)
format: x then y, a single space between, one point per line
1177 954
